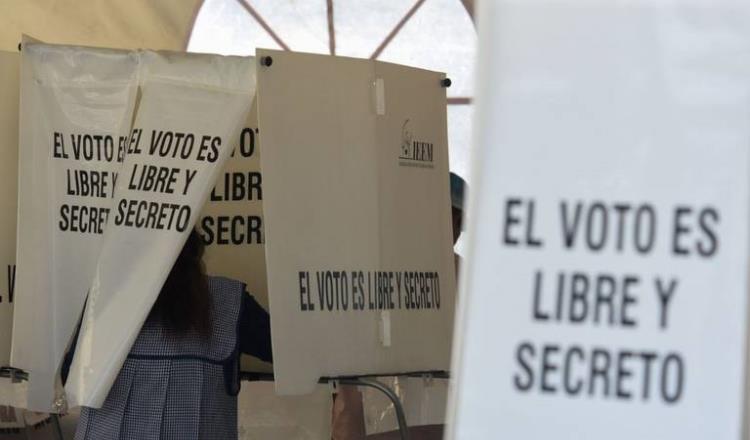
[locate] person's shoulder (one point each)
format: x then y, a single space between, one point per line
225 284
226 294
216 279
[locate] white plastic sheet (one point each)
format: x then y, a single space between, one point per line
188 116
11 418
75 114
265 416
423 399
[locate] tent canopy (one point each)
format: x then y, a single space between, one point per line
437 37
162 24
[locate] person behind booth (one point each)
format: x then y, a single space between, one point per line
458 189
181 377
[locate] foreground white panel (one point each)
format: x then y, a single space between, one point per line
606 284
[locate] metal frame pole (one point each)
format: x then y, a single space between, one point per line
55 420
403 428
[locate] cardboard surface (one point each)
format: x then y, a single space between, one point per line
357 217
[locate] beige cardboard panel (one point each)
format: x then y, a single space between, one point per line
8 194
322 201
327 156
414 206
231 223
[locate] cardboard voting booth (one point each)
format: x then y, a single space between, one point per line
356 266
356 217
85 232
605 292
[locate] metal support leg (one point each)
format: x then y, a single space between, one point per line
403 428
55 420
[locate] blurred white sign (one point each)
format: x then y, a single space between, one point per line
606 284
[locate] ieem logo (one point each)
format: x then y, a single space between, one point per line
414 153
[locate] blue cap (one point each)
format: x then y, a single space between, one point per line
457 191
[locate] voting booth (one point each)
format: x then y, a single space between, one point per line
340 225
357 218
605 294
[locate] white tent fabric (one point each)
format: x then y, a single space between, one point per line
438 36
432 34
162 24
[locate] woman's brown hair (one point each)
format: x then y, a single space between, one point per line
183 303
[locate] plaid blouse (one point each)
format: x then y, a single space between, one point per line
179 386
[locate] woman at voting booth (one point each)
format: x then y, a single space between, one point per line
181 378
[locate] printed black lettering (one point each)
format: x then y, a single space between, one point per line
510 220
524 354
680 229
707 222
597 219
570 226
